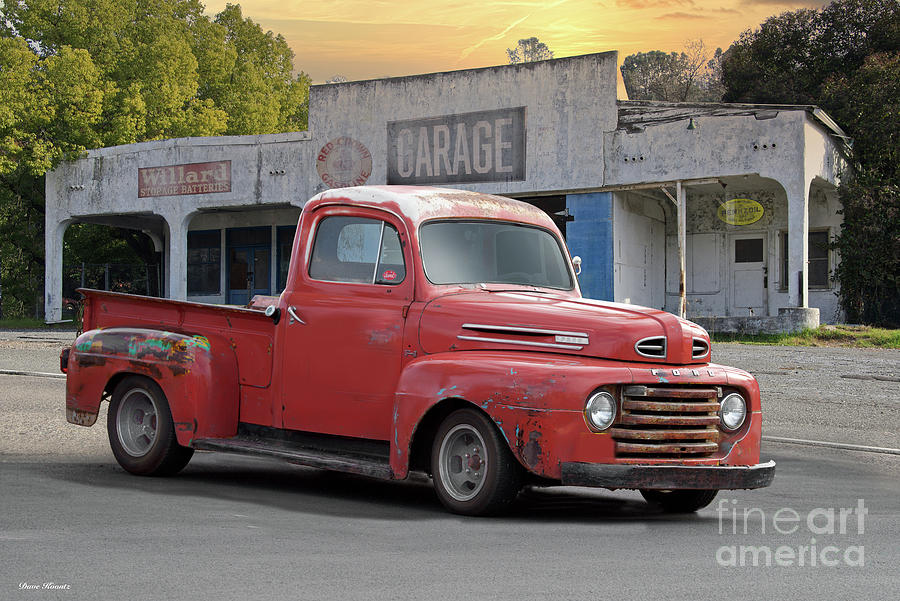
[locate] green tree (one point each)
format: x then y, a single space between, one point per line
79 74
692 75
529 50
846 59
254 80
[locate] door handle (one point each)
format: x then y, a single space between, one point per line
294 317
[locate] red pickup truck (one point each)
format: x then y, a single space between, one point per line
431 330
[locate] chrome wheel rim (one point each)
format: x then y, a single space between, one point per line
462 462
136 422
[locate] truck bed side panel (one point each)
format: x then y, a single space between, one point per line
248 332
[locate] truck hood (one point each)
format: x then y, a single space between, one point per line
531 321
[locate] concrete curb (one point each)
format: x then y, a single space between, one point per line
35 374
832 445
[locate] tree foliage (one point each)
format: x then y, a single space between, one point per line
846 59
79 74
528 50
693 75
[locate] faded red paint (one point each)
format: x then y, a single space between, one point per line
370 362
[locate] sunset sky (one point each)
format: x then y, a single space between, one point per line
365 39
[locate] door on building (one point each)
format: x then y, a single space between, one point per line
249 261
749 274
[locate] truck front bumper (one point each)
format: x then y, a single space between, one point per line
668 477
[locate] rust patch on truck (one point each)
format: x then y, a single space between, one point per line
81 418
531 452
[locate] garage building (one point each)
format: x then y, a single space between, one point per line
721 212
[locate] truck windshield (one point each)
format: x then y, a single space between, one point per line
472 252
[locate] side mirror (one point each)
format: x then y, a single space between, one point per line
576 263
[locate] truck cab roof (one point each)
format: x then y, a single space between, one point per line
417 204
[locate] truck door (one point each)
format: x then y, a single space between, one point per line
344 341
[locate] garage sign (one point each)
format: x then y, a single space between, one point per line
485 146
740 211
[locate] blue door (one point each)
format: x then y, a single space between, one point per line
248 273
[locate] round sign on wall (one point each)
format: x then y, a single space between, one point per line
740 211
344 162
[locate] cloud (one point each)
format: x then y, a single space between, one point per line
465 53
786 3
638 4
680 16
492 38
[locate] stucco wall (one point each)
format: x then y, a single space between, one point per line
569 103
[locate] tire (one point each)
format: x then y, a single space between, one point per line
141 430
473 469
680 501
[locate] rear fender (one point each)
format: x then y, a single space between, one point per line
197 374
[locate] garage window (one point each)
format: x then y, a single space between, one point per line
819 260
204 260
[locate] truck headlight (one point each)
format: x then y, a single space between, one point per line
600 410
732 412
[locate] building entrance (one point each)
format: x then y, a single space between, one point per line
749 274
249 263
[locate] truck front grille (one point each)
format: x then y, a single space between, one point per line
667 422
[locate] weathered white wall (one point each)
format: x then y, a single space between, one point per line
717 146
569 101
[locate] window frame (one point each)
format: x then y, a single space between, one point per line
784 257
378 259
217 263
567 262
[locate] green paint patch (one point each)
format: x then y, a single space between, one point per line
153 345
200 342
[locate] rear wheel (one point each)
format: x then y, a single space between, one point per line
473 468
680 501
141 430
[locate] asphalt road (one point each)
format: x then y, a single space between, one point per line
230 527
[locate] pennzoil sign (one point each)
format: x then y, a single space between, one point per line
740 211
191 178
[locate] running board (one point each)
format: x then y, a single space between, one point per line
331 459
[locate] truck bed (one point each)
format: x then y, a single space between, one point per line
248 332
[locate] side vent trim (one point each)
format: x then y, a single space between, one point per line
653 347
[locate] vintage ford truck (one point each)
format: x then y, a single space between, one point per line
428 330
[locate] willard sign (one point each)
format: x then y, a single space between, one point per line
193 178
486 146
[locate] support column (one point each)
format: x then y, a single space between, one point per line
681 199
53 268
798 244
590 236
176 257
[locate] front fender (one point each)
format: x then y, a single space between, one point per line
525 394
197 374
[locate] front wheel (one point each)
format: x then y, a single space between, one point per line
141 430
680 501
474 471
